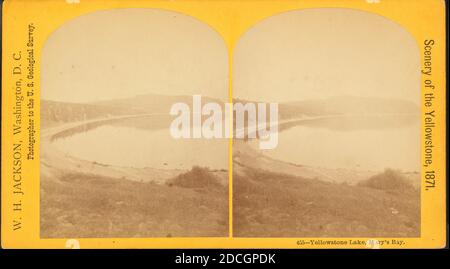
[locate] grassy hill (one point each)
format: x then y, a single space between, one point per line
82 205
268 204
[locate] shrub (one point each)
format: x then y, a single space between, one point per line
197 177
388 180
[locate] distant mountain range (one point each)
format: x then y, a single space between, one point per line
347 105
54 112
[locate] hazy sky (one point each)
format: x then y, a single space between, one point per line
297 55
317 53
125 52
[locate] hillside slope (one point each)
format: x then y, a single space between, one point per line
268 204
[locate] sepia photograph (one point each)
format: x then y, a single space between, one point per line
109 164
347 162
226 132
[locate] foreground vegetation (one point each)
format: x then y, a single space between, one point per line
82 205
268 204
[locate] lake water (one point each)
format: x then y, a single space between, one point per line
124 145
358 143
